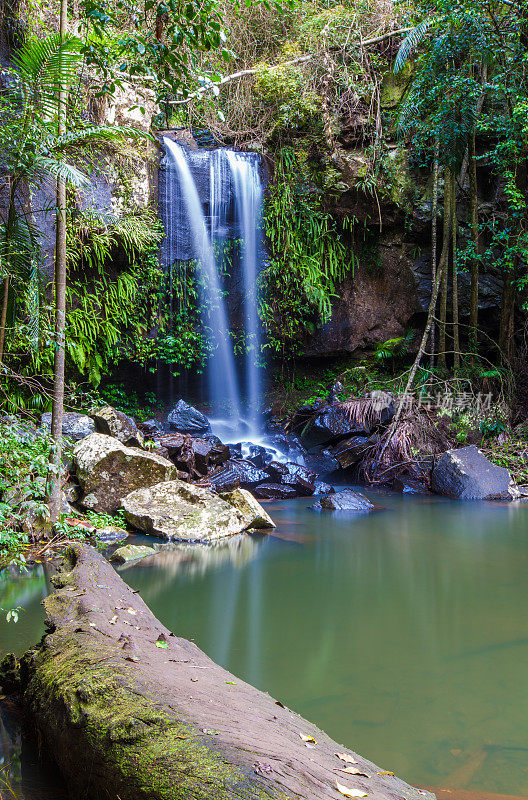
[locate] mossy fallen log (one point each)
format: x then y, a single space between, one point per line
130 711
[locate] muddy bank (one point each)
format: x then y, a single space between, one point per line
130 710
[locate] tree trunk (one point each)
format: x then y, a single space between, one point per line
507 323
456 337
4 317
474 264
434 237
444 258
60 311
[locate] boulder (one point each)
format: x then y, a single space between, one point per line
345 500
321 463
334 422
247 472
75 426
274 491
131 552
466 474
186 419
323 488
300 471
219 454
276 470
250 509
111 534
107 471
180 511
224 480
150 428
114 423
302 487
350 451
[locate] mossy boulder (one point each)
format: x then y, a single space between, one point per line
179 511
249 508
131 552
114 423
108 471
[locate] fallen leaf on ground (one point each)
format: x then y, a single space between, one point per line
92 625
278 703
347 758
231 683
132 611
385 772
354 771
131 658
306 738
346 792
162 645
113 620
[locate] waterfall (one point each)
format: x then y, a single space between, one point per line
208 198
248 202
223 387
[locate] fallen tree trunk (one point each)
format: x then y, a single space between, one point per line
130 711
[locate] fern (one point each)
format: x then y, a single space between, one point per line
410 43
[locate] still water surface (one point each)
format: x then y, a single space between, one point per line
404 634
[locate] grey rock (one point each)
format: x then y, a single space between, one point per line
131 552
111 534
179 511
114 423
186 419
345 500
75 426
107 471
274 491
466 474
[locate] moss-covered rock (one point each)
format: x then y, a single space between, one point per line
131 552
107 471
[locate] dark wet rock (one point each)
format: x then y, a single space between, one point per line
276 470
249 474
150 428
202 451
219 454
466 474
300 471
114 423
172 442
334 422
235 450
303 487
323 488
321 463
410 486
224 480
345 500
260 456
186 419
350 451
75 426
274 491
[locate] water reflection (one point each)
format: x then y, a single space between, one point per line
404 633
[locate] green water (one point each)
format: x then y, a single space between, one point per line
404 634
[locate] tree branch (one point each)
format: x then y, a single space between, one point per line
299 60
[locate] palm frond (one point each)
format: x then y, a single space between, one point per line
45 67
45 168
98 132
411 41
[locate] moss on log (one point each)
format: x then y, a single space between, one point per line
131 711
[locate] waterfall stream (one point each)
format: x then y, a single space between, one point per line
210 197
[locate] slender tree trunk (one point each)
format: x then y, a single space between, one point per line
60 311
456 336
434 237
4 317
444 258
474 264
507 323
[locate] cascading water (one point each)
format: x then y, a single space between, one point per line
223 386
211 196
248 201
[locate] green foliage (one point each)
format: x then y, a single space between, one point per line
308 257
24 471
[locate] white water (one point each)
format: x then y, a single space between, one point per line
248 199
223 386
